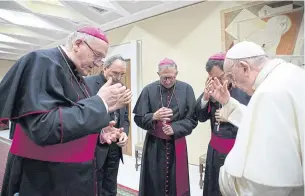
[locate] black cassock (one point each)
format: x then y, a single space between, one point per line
222 140
55 127
164 168
108 156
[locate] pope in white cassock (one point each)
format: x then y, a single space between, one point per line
267 157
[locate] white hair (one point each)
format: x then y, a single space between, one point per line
257 61
113 58
171 65
77 36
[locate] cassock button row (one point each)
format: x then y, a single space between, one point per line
96 188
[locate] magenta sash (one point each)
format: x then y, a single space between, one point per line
77 151
182 173
182 170
222 145
158 131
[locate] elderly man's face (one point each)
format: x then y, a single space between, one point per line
89 54
168 76
241 76
116 70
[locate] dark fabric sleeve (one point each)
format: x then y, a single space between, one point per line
126 123
91 82
44 109
202 114
185 126
65 124
143 113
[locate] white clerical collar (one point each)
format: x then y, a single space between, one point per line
266 70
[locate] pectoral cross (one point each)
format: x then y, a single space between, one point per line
116 118
217 122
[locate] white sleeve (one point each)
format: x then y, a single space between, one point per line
233 111
106 106
233 186
203 103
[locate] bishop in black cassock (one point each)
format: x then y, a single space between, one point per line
55 121
165 109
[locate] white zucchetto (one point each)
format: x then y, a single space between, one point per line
245 49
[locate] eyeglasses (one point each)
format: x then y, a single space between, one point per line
98 58
163 78
117 74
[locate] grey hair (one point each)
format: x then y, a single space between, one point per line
257 61
213 63
171 65
109 61
76 36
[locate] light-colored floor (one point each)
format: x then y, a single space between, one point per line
5 134
129 177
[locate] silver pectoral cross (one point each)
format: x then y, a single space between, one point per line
218 124
115 118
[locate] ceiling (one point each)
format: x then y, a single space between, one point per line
27 25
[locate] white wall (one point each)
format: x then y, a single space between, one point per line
5 65
189 36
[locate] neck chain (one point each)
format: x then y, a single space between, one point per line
83 89
170 100
218 123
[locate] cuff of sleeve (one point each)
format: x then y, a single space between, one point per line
106 106
149 116
203 103
227 109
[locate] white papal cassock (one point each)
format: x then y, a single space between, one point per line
267 157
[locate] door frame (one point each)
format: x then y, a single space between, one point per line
131 50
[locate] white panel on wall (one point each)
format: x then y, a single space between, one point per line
129 50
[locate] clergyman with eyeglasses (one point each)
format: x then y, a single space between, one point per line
56 122
108 155
165 109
